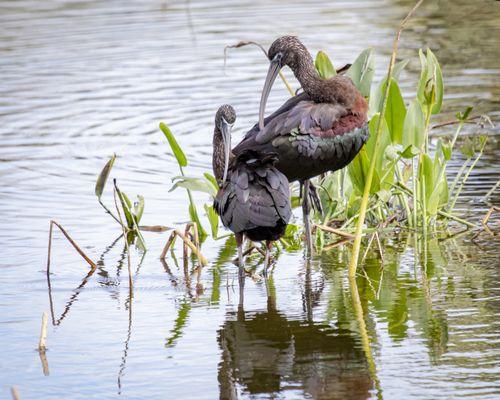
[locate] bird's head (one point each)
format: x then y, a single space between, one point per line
224 120
286 50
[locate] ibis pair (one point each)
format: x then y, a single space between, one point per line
319 130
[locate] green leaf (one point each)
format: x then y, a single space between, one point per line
398 68
385 140
193 214
103 176
324 65
467 148
430 86
126 206
361 71
178 153
446 150
462 116
414 126
213 218
431 189
358 171
193 184
395 113
410 152
210 178
139 209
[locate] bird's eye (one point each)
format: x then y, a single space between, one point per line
278 56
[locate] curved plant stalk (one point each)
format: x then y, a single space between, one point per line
365 340
364 201
131 293
250 42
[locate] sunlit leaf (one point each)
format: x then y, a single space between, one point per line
430 86
193 184
362 70
413 127
324 66
178 153
395 113
213 218
193 214
103 176
139 209
398 68
210 178
358 171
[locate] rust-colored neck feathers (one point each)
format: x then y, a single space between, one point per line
338 89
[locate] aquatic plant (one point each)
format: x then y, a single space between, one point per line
132 213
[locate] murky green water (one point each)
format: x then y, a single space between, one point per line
81 80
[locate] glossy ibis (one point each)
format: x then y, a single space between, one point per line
319 130
254 197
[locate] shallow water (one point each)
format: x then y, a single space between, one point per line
81 80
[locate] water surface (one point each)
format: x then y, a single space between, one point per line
82 80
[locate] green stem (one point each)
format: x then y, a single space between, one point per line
465 179
455 218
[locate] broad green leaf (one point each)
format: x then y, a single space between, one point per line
446 150
430 86
178 153
431 189
385 140
103 176
375 100
395 113
324 66
213 218
126 206
193 184
139 209
467 148
398 68
358 171
193 214
209 177
410 152
361 71
414 126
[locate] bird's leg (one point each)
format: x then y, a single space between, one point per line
239 243
269 245
305 212
316 202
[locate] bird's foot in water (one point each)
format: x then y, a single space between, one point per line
247 252
315 200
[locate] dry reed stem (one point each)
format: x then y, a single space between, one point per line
335 231
188 242
154 228
14 393
80 251
335 244
488 215
42 343
250 42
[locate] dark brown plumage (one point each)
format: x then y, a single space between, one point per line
254 200
314 132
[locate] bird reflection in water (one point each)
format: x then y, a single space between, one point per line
266 352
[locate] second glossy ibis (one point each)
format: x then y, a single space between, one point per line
253 200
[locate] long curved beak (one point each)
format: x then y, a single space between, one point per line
272 73
225 129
